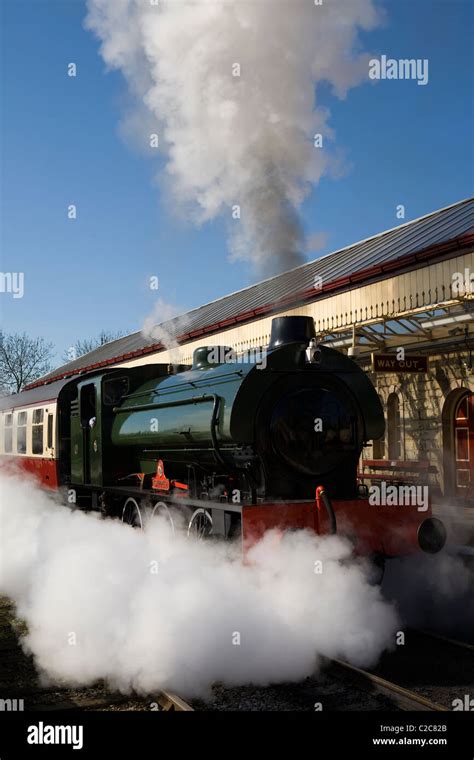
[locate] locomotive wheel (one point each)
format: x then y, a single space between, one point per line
200 524
131 514
160 508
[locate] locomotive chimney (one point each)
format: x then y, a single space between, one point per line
291 330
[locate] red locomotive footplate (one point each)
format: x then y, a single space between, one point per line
372 529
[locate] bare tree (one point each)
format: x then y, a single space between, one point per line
22 360
82 347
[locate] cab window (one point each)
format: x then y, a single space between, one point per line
114 390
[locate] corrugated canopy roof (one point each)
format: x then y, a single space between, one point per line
436 228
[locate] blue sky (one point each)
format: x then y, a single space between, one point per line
61 144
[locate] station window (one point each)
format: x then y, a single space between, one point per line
8 433
394 429
462 411
21 432
38 431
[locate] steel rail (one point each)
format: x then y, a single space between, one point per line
406 699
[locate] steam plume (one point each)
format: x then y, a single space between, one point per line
165 324
231 88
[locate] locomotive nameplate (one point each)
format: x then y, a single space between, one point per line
390 363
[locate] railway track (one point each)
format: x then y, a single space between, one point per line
426 674
410 699
45 700
402 698
440 637
434 667
339 687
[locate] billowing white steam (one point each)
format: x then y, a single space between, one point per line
231 88
158 327
146 610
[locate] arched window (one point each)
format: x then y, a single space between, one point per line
394 431
378 445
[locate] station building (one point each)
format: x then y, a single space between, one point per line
401 303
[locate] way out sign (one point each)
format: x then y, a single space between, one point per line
390 363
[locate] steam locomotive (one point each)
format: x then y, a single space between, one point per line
235 444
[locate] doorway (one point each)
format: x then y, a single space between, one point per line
458 444
463 426
88 421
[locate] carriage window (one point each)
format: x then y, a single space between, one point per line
8 434
114 390
21 432
50 431
38 431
